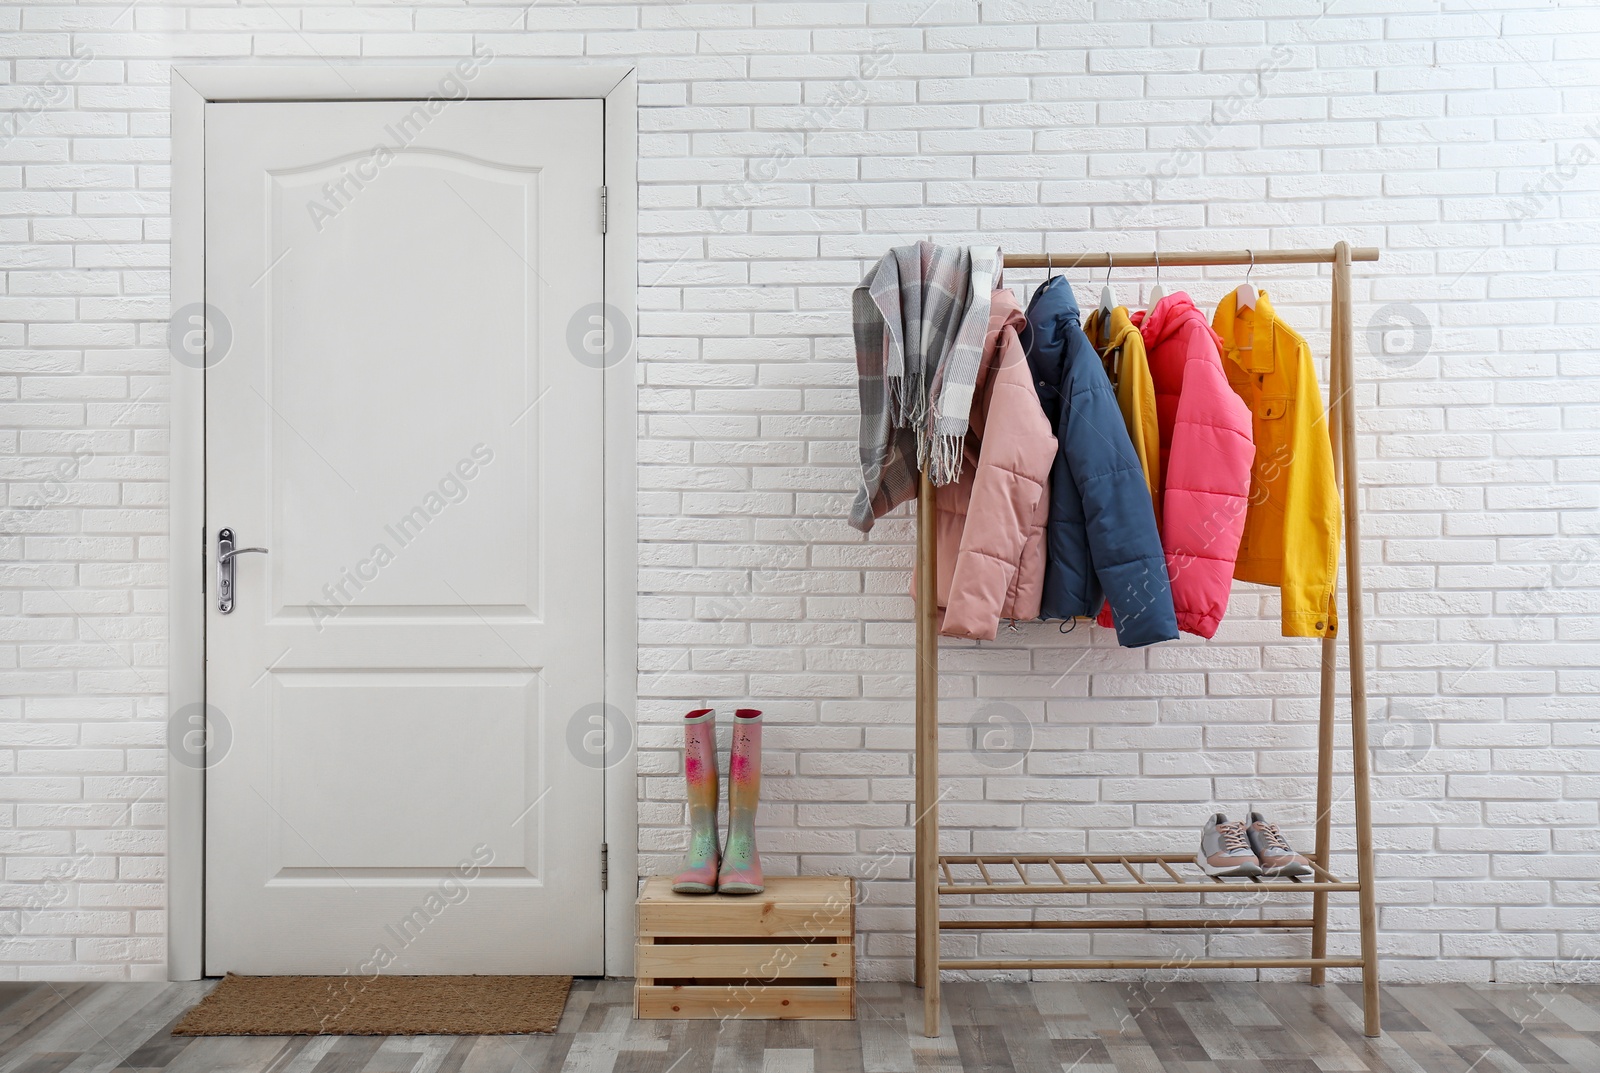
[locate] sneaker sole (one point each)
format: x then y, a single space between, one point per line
1241 871
1288 871
693 888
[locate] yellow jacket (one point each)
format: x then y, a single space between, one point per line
1291 528
1124 356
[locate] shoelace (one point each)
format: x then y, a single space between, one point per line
1233 838
1274 839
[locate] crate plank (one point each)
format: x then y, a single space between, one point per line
801 906
770 1003
756 961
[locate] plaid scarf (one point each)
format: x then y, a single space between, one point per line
921 315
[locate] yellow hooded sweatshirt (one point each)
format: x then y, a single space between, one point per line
1136 393
1291 528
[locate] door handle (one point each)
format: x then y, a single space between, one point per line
226 553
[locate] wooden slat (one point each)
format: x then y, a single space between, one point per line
798 906
1176 878
796 889
1137 878
1095 871
986 878
1210 923
754 961
1150 963
1067 858
1021 874
1059 873
768 1003
1215 885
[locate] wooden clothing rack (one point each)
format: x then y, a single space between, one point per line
1134 874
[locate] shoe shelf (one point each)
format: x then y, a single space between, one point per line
1104 873
1123 873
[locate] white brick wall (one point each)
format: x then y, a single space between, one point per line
783 146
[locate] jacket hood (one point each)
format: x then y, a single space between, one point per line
1168 317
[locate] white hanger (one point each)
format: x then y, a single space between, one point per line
1108 302
1156 293
1245 296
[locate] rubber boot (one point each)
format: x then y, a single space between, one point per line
741 864
699 875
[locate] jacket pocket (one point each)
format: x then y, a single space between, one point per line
1272 407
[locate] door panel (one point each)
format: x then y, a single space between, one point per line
340 318
400 422
342 778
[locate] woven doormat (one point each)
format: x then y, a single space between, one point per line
381 1006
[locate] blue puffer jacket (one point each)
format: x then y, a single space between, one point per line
1101 537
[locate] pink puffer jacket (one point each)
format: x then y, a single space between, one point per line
991 521
1206 454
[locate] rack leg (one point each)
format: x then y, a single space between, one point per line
1362 760
1323 851
1329 689
918 762
927 774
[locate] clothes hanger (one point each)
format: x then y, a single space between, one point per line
1245 296
1156 293
1108 302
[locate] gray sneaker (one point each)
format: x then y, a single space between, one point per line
1225 849
1277 857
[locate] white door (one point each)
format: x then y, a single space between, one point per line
399 418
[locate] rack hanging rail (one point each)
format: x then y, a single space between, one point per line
1185 260
930 868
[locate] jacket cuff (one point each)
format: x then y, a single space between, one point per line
1310 624
977 597
1203 624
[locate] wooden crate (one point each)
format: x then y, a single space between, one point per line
785 954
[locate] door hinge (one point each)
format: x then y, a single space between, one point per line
605 866
603 209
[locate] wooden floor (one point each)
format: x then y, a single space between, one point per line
1081 1028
